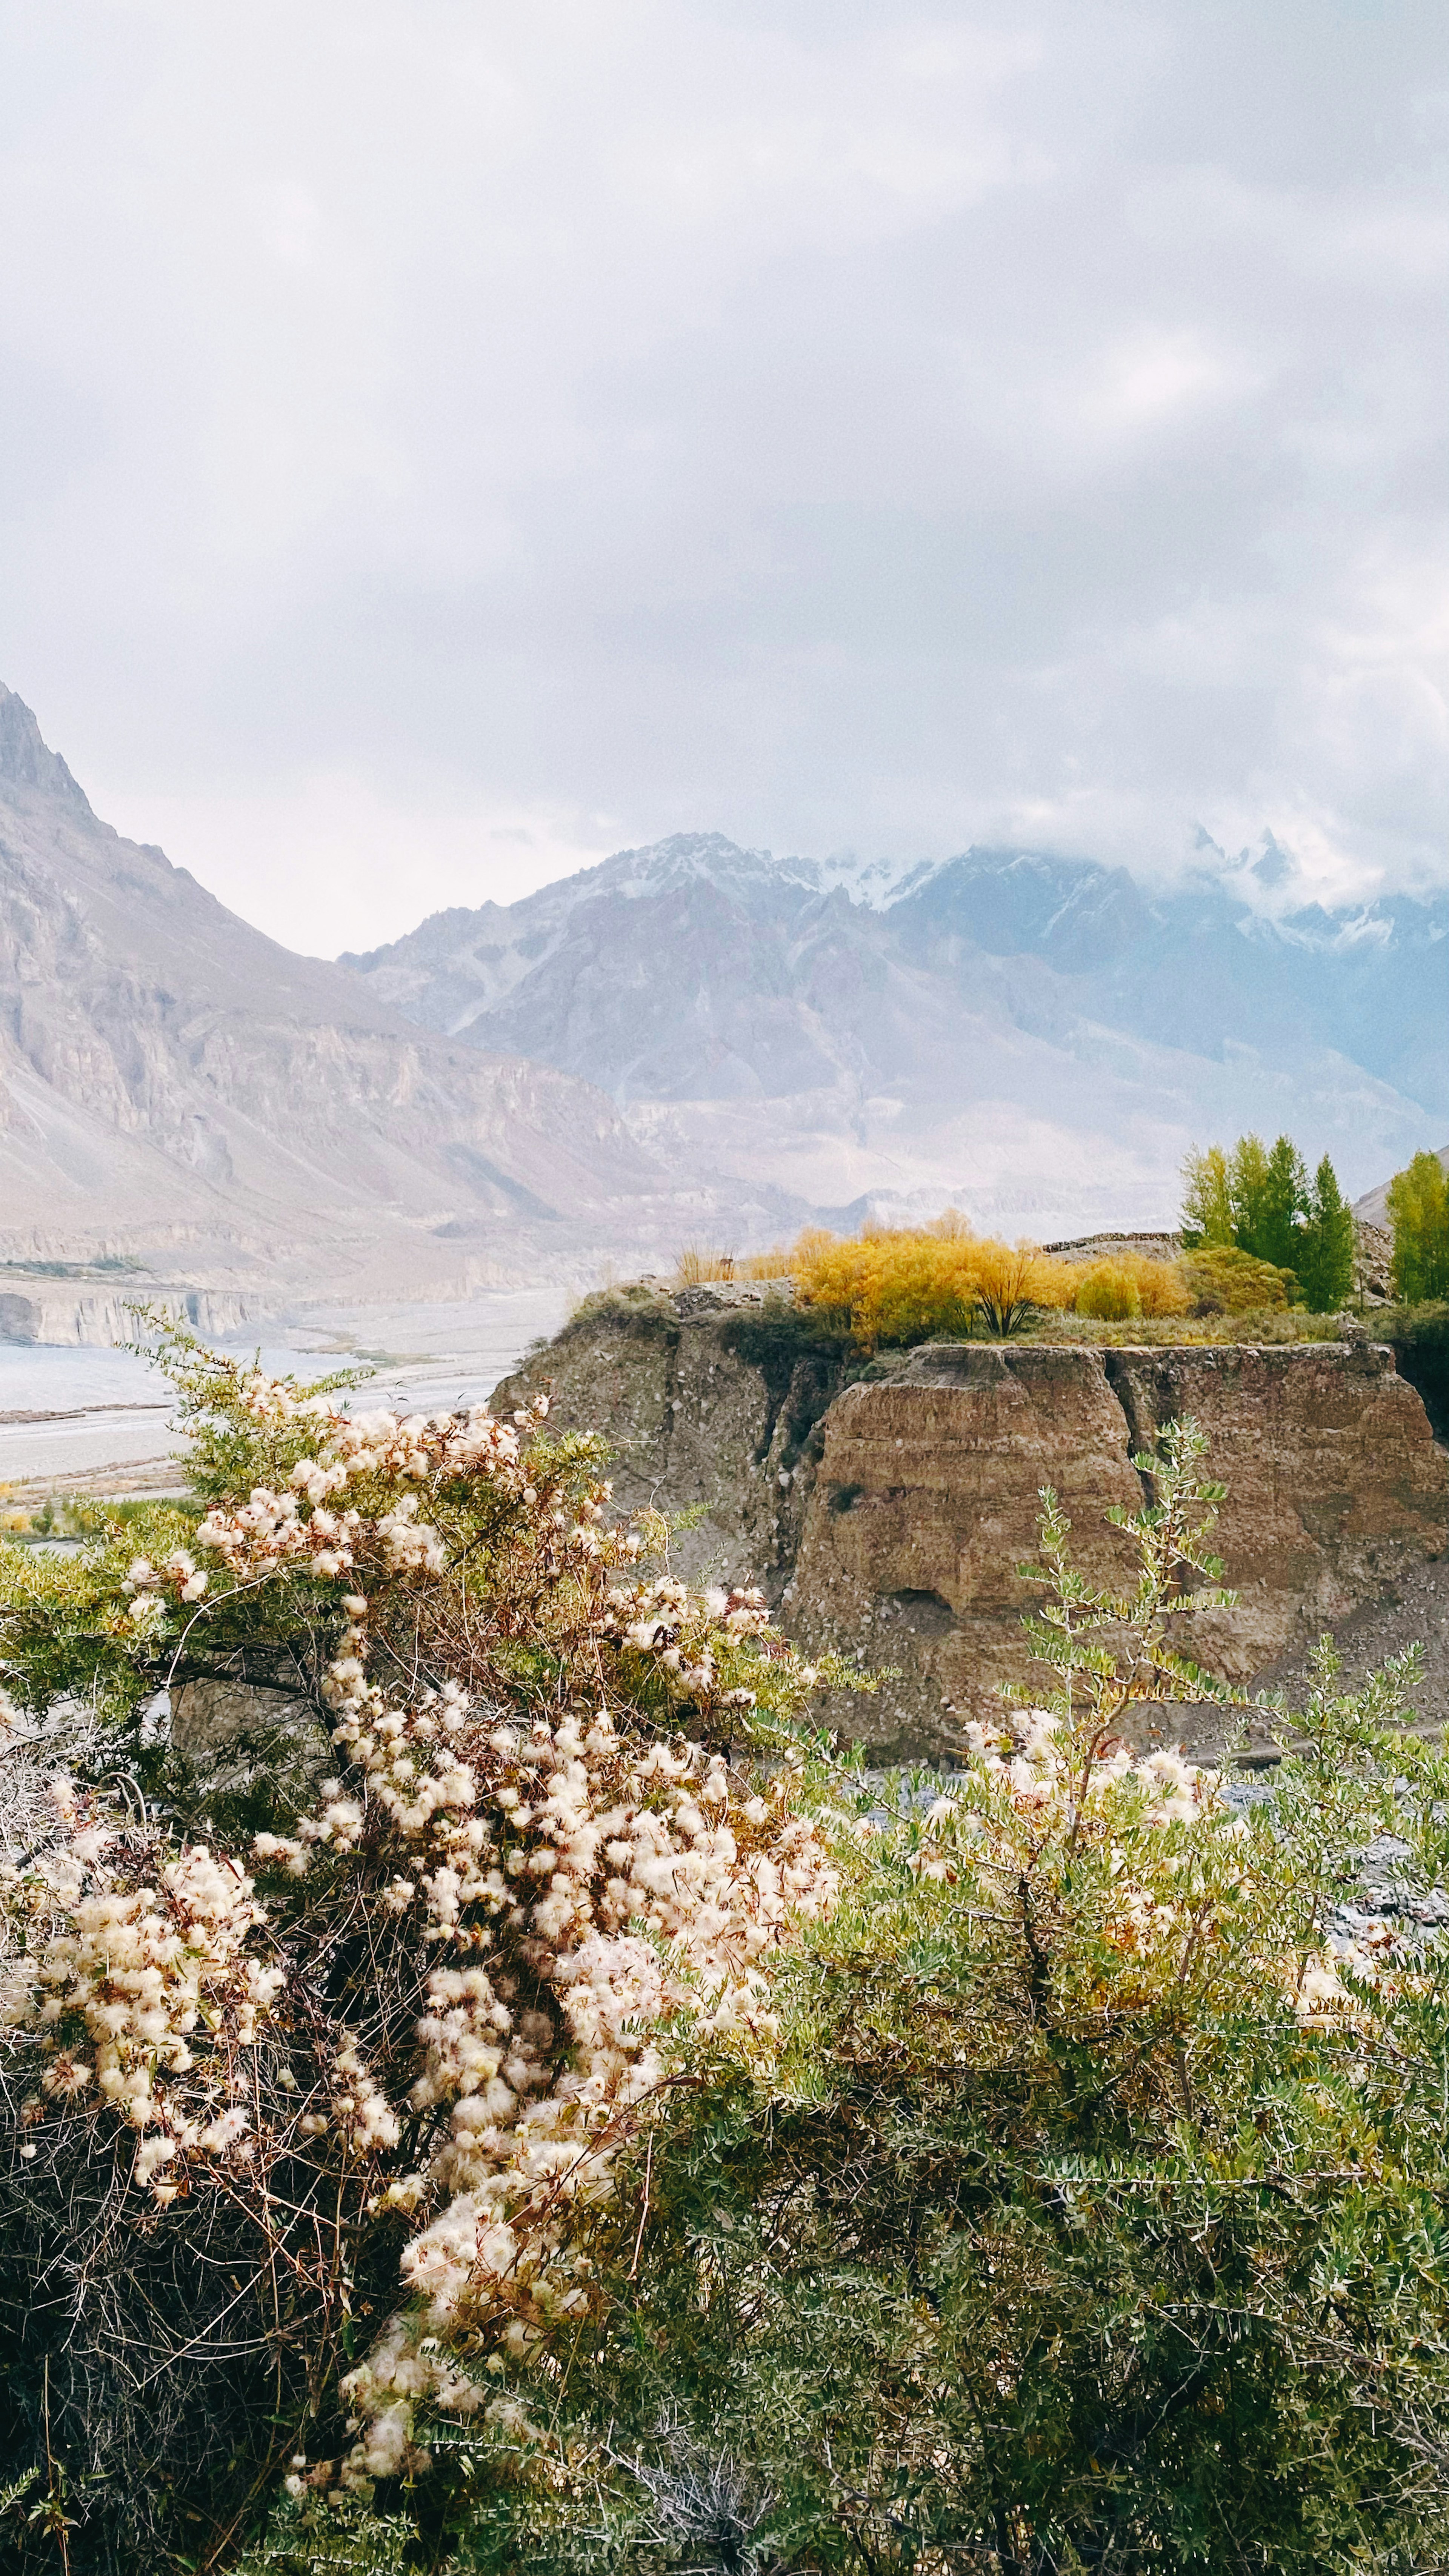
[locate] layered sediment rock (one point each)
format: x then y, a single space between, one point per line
926 1499
893 1528
927 1492
98 1318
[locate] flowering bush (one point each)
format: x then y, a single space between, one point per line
1092 2214
531 2127
348 2094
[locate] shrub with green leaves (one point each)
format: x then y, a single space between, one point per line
1225 1281
1093 2212
1419 1339
312 2089
592 2130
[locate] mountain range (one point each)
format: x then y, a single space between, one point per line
179 1092
1038 1038
688 1040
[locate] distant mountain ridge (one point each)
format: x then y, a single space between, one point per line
178 1090
1039 1036
690 1039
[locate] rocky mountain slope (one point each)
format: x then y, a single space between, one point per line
177 1090
1038 1038
686 1040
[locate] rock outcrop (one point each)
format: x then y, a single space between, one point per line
926 1496
887 1519
97 1317
690 1423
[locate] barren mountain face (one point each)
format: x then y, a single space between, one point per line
177 1088
687 1040
1038 1038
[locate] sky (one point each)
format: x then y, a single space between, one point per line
441 442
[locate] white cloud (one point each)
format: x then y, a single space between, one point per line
824 422
1165 376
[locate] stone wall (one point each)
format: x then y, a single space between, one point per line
893 1534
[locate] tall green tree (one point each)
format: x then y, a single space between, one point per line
1247 1191
1207 1206
1323 1259
1419 1215
1260 1200
1284 1207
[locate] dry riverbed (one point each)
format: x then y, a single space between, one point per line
97 1421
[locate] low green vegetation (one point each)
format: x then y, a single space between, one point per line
1263 1326
67 1517
1228 1281
1092 2216
594 2130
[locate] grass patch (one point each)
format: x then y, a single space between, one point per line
1269 1324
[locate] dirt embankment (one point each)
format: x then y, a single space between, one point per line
887 1519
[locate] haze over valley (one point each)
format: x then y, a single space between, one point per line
1035 1038
689 1040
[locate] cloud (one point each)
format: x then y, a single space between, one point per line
424 418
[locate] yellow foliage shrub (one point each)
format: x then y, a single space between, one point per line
1225 1281
895 1285
900 1286
696 1264
1109 1292
1129 1283
1011 1279
891 1288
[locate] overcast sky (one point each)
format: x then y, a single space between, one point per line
443 441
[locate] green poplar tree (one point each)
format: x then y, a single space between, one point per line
1261 1202
1207 1207
1284 1206
1323 1259
1419 1214
1247 1190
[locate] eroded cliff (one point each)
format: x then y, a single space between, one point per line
887 1517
